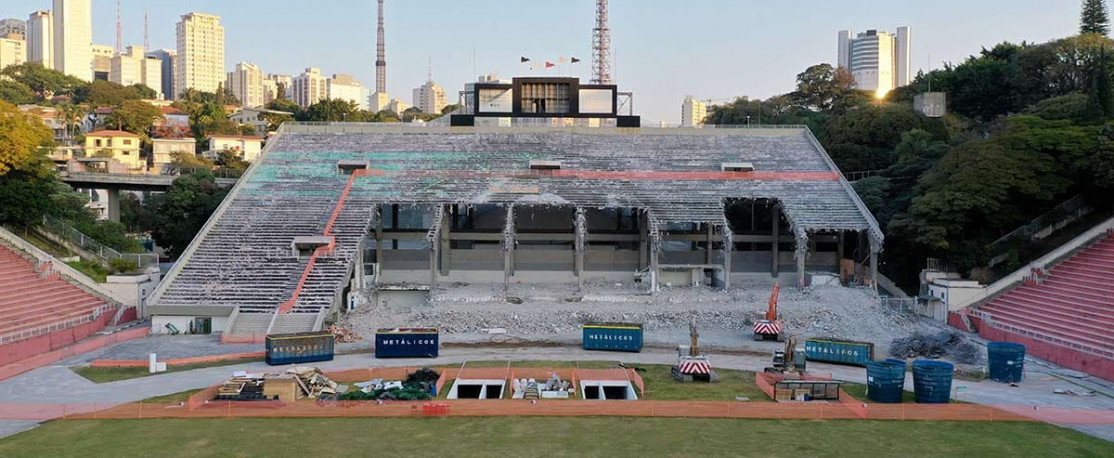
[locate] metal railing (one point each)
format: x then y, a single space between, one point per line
68 233
1070 209
905 305
48 328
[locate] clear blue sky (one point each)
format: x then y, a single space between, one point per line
664 49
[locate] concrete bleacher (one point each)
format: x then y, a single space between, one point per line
34 303
1067 314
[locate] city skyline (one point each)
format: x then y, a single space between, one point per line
735 55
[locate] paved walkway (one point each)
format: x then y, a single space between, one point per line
58 384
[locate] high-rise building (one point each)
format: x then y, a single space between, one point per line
40 38
430 97
102 61
12 52
200 53
73 38
878 60
345 87
135 67
286 82
13 29
693 111
168 62
310 87
270 91
246 83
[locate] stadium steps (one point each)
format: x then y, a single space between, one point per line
294 322
250 323
29 300
1075 302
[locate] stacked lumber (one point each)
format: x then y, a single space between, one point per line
312 383
241 388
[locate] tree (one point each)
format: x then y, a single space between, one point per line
191 161
1094 18
274 120
823 87
108 94
450 108
329 110
23 135
280 91
43 82
231 160
184 209
16 93
135 116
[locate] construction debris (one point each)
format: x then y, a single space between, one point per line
949 345
300 382
418 386
343 333
1073 392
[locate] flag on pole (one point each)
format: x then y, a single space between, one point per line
575 60
523 60
549 64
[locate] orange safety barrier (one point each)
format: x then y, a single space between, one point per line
252 339
177 361
509 407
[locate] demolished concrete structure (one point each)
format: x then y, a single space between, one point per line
332 216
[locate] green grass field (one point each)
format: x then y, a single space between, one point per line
549 437
113 374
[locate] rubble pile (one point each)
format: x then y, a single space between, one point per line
536 311
418 386
343 333
948 345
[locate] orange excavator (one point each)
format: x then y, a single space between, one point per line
771 327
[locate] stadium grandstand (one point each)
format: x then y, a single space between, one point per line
42 311
339 214
1063 315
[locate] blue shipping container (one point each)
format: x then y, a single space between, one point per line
407 343
297 348
613 337
839 351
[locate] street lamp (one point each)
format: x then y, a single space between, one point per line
748 120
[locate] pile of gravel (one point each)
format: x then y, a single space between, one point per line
948 345
545 310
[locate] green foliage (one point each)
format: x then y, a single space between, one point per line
43 83
184 209
121 265
137 215
22 137
191 161
330 110
108 94
825 88
91 269
135 116
231 160
1074 107
16 93
864 139
109 233
1094 18
450 108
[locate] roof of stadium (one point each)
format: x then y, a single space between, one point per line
243 257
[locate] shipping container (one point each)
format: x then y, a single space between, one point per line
839 351
613 336
297 348
407 343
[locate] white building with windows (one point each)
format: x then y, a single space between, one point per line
310 87
430 98
693 112
200 53
40 38
135 67
879 60
73 38
12 52
246 83
345 87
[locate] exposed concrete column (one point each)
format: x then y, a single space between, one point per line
728 247
643 240
113 204
581 228
776 213
446 244
654 242
839 247
801 254
434 238
708 241
874 249
378 243
508 248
